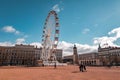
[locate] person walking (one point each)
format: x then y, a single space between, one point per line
55 65
81 68
84 67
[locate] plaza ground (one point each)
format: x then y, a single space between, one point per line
60 73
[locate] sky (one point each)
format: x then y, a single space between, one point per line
85 23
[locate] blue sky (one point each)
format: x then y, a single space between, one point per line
82 22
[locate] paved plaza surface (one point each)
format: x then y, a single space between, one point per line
60 73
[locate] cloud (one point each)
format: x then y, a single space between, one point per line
65 46
105 40
20 41
115 31
10 29
82 48
17 32
85 48
6 44
85 31
36 44
113 36
56 8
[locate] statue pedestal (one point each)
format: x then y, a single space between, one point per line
50 63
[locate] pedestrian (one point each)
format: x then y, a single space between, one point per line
55 65
43 65
84 67
81 68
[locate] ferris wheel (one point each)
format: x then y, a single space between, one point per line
50 37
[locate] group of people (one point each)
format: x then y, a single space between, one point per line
82 68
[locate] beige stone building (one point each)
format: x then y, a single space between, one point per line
109 55
25 55
90 59
68 59
104 57
18 55
86 58
5 55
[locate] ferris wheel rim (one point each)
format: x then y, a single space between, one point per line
50 47
55 42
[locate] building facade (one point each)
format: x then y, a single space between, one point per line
86 58
68 59
25 55
109 55
89 59
18 55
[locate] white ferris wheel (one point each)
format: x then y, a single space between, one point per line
50 37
